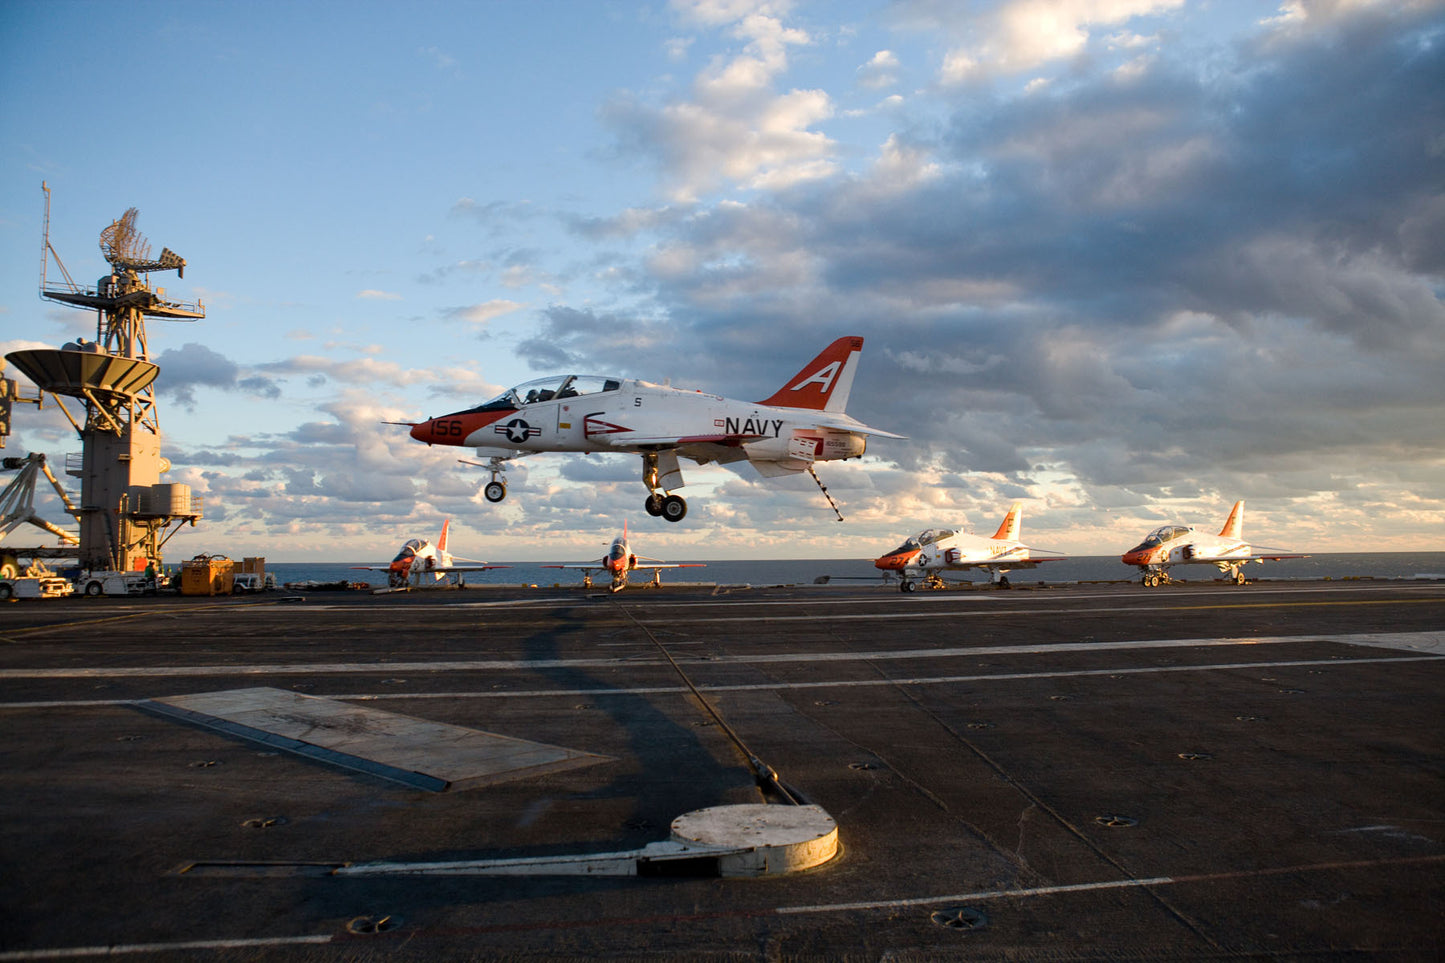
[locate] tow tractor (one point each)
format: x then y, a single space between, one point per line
116 583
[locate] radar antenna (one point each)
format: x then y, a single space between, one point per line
128 250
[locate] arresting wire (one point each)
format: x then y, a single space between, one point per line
765 775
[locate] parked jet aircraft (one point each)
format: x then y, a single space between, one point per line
419 558
620 561
1171 545
930 553
801 423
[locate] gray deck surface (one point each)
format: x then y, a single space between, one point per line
1080 772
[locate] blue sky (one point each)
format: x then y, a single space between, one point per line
1124 260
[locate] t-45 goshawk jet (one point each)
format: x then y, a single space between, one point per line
419 558
1181 545
801 423
934 551
620 561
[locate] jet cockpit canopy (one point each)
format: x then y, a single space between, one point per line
925 537
409 550
1162 534
549 389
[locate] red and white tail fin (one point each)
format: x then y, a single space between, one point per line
1234 527
442 539
824 382
1009 530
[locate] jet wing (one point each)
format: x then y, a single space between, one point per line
464 568
639 565
1209 559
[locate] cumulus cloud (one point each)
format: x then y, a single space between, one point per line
480 314
736 128
880 71
1019 36
193 366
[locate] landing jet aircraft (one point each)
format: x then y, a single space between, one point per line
801 423
620 561
419 558
937 550
1181 545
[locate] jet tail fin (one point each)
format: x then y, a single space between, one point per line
442 539
1009 530
824 383
1234 526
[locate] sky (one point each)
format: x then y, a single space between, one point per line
1125 261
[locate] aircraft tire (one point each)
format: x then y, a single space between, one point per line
653 504
907 586
674 508
494 491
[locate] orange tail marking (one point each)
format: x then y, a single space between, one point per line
1234 527
442 540
1009 530
823 383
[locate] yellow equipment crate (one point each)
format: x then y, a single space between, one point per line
207 575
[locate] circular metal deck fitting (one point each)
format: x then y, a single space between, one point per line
771 839
267 822
861 766
980 725
960 918
1192 756
204 764
1116 822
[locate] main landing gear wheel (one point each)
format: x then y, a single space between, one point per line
494 491
653 504
674 508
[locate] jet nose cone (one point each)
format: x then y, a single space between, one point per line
1139 556
895 561
422 431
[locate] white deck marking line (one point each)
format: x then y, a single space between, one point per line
74 952
993 894
784 686
977 896
1093 610
1406 641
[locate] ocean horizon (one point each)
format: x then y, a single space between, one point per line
1102 568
